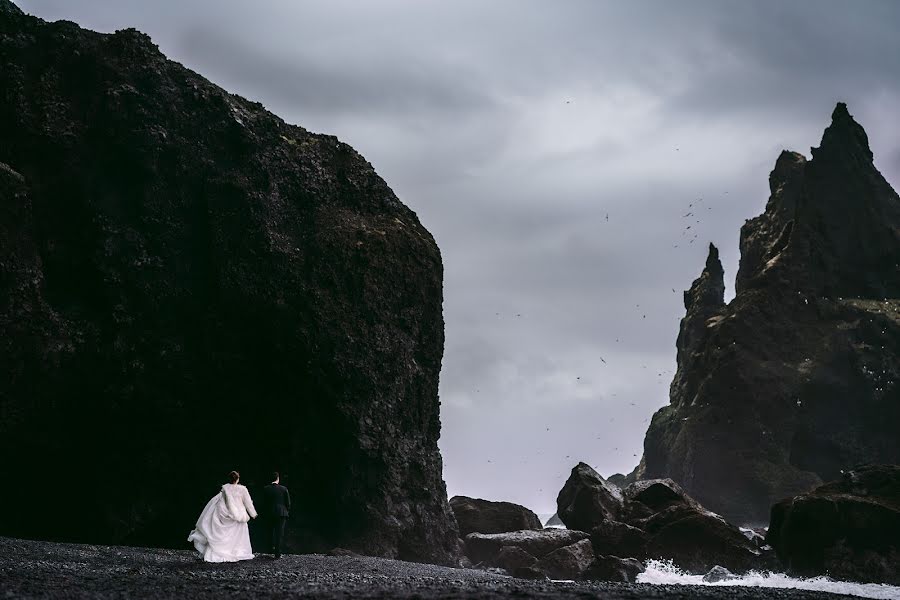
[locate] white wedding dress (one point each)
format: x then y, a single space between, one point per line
221 533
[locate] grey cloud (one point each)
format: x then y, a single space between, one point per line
313 86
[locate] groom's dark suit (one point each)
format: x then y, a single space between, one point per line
278 507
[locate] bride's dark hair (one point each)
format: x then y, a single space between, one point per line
234 476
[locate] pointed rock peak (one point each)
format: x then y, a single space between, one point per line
844 137
840 112
708 290
713 264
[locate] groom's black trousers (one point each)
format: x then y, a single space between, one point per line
277 532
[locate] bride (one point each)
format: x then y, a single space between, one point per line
221 533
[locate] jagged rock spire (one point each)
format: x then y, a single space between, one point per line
830 225
796 377
703 301
844 137
708 290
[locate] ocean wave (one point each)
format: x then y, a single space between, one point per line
664 572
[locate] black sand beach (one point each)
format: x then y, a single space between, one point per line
32 569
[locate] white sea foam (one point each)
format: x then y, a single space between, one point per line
664 572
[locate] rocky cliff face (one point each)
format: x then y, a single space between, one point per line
190 285
798 377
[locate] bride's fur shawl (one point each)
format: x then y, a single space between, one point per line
238 501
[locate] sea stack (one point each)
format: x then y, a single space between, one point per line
190 285
798 377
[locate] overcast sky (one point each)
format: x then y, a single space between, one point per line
552 148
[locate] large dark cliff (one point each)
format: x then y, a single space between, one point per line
798 377
189 285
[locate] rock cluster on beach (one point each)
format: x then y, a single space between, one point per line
611 533
190 285
798 377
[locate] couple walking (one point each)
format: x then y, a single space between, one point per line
222 534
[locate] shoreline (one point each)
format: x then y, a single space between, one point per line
37 569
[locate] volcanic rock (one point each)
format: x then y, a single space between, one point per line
697 541
568 562
798 377
659 520
484 547
190 285
484 516
587 500
613 568
717 574
619 539
512 558
848 529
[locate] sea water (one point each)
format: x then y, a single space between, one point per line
664 572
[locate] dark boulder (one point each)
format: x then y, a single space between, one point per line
717 574
659 494
619 539
696 541
586 499
484 547
568 562
797 377
484 516
849 529
179 266
513 558
613 568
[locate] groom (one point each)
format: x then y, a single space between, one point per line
278 506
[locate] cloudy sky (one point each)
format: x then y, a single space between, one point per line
553 149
